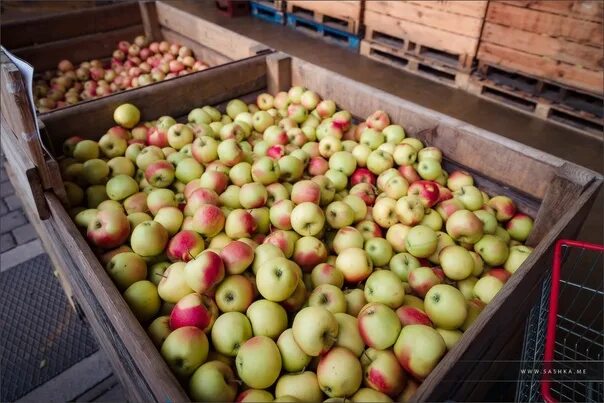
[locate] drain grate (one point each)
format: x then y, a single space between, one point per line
40 334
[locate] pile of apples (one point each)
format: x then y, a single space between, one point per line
279 250
132 65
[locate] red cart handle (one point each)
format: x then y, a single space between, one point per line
550 340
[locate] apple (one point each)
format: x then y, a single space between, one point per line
254 395
95 171
307 219
292 356
188 170
315 330
410 210
489 222
156 272
385 287
382 372
329 297
347 237
143 300
421 241
265 170
159 329
379 325
487 287
149 238
369 395
303 386
234 294
213 381
464 226
185 349
519 227
384 212
339 373
445 306
379 250
184 245
446 208
418 349
84 217
258 352
504 207
267 318
121 166
516 257
339 214
204 272
355 264
277 279
229 332
126 269
451 337
173 285
205 149
126 115
422 279
193 310
456 262
109 229
96 194
411 315
458 179
112 145
405 155
401 264
492 249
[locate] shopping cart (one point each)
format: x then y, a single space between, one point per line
563 349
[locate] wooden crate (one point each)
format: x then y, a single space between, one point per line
345 15
545 58
94 33
558 193
435 39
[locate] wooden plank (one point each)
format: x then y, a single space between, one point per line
213 36
501 316
422 34
148 12
539 22
209 56
135 359
522 168
78 49
279 71
68 25
425 15
17 112
464 7
573 76
591 10
344 9
542 45
214 85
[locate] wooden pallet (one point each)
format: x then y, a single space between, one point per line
445 33
342 15
413 63
323 31
542 98
271 11
559 41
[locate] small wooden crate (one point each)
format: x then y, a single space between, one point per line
94 33
344 15
545 58
436 39
558 193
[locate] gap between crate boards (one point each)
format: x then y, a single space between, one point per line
416 65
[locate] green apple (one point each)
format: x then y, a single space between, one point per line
385 287
229 332
517 256
419 349
120 187
213 381
126 269
267 318
456 262
401 264
339 373
159 329
143 300
492 249
379 325
303 386
445 306
329 297
126 115
487 287
379 250
421 241
185 349
348 333
292 356
95 171
173 285
258 362
315 330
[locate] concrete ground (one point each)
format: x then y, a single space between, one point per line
91 378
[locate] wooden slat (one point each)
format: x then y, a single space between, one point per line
523 168
338 9
433 17
148 12
279 70
213 36
542 45
539 22
574 76
591 10
39 30
463 7
91 119
78 49
422 34
471 358
209 56
135 359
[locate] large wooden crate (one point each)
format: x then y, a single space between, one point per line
545 58
558 193
436 39
94 33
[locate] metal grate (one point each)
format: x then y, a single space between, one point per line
565 357
40 334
